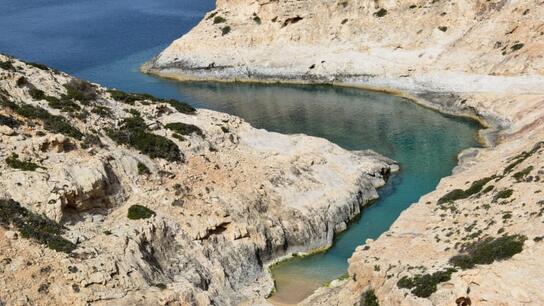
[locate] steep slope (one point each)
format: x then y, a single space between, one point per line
126 199
483 59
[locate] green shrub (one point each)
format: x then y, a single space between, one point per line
14 162
225 30
22 81
36 227
54 124
517 47
423 285
459 194
369 299
137 212
80 90
489 250
381 12
36 93
9 121
218 19
39 66
142 169
133 132
504 194
91 140
257 19
184 128
102 111
7 65
64 105
523 173
130 98
522 157
178 137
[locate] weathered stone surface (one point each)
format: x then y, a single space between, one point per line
481 59
241 198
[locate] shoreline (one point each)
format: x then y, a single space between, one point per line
488 125
487 129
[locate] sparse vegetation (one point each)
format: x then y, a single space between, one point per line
504 194
489 250
522 157
458 194
7 65
184 128
9 121
14 162
523 173
143 169
130 98
423 285
133 132
137 212
225 30
34 226
381 12
369 299
219 19
517 47
80 90
102 111
64 105
52 123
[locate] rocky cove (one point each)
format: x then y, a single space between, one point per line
502 92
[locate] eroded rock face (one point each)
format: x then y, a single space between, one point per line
231 199
482 59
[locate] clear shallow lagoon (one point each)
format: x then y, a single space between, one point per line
106 41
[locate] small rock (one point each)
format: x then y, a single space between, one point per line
11 235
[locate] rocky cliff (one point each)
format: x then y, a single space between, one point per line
112 198
478 238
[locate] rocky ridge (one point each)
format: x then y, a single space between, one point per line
116 198
481 59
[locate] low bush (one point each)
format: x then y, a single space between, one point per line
133 132
9 121
64 105
184 128
218 19
52 123
523 173
504 194
137 212
225 30
39 66
522 157
7 65
80 90
102 111
423 285
489 250
14 162
459 194
369 299
142 169
381 12
130 98
34 226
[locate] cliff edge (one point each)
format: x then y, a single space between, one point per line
477 239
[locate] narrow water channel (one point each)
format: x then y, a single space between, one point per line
106 41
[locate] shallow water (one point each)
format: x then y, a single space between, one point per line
106 41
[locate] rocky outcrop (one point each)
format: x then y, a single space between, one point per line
156 203
481 59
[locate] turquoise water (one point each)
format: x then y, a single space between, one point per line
106 41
